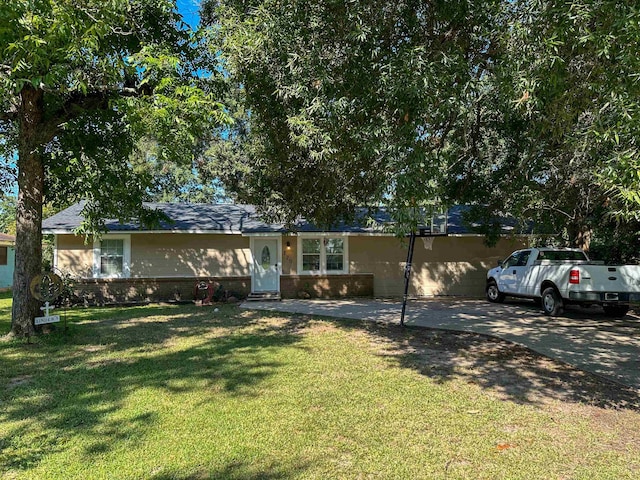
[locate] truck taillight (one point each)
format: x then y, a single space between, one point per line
574 276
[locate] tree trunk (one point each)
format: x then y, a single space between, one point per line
580 235
29 211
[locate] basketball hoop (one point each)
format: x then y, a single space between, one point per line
427 242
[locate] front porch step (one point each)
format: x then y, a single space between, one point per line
264 297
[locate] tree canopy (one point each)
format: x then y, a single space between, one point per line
526 107
351 103
83 84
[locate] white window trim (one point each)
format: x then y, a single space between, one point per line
126 256
323 254
55 252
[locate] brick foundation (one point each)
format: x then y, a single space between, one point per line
144 290
327 286
101 291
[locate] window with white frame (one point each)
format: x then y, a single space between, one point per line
322 255
311 254
112 256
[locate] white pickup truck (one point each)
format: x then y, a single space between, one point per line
557 277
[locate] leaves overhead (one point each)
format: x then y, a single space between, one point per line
351 103
112 76
527 107
560 131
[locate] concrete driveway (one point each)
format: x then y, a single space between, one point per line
584 338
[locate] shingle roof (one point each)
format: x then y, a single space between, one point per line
7 239
222 218
232 218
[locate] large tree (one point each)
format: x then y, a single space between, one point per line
350 103
529 107
573 68
82 83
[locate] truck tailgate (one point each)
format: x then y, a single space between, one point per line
603 278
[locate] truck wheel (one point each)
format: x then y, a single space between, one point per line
615 311
551 302
493 294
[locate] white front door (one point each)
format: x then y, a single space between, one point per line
266 275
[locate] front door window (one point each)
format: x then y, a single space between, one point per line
266 257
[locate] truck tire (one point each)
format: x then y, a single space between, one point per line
615 311
551 302
493 294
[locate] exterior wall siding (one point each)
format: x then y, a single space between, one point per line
289 255
74 256
6 271
184 254
454 265
165 255
165 267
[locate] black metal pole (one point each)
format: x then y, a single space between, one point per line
407 274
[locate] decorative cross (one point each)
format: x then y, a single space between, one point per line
46 308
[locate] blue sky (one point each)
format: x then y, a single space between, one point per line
189 10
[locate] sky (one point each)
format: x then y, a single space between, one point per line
189 10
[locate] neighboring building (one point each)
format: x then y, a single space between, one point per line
7 260
228 244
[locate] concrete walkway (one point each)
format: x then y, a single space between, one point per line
584 338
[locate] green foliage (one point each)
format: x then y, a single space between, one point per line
114 76
82 84
527 107
574 68
8 214
616 242
351 103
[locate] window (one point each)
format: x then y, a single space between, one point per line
310 254
111 256
335 254
523 258
512 261
322 255
3 255
266 258
518 259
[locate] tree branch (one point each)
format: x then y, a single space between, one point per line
78 102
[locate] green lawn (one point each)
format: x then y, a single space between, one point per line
185 392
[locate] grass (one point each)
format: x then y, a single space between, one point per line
182 392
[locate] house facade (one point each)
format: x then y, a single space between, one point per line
7 260
230 246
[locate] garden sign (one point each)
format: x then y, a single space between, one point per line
46 287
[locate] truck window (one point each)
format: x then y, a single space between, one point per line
522 258
566 255
560 255
512 261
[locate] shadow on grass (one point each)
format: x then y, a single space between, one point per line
511 371
584 338
71 382
236 471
